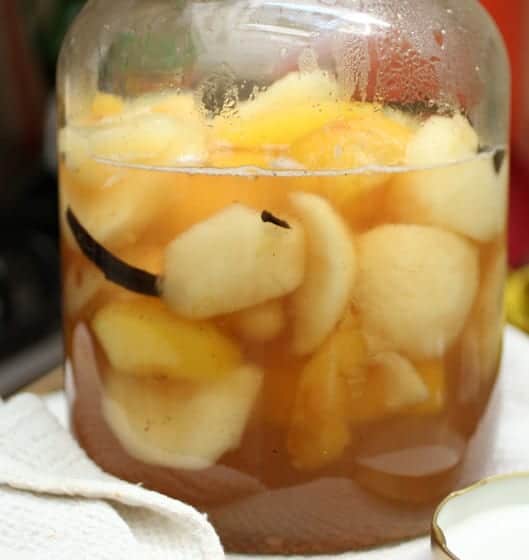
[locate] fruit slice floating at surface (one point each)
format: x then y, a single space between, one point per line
289 109
183 106
118 210
143 338
319 430
416 286
232 261
107 105
261 323
363 136
241 158
180 425
442 140
321 300
469 198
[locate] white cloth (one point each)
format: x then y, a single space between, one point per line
56 504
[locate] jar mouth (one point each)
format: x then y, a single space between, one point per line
284 170
489 495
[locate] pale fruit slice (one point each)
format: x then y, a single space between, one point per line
261 323
232 261
416 286
117 210
468 198
144 137
150 138
393 385
492 315
107 105
434 376
403 385
145 339
289 109
178 105
482 338
319 430
321 300
166 423
409 120
442 140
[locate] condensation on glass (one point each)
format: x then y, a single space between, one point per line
283 238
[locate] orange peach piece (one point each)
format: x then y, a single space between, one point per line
288 110
319 430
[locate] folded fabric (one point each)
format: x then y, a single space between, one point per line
56 504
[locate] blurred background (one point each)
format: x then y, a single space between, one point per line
31 32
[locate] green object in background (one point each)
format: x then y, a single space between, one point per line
517 298
138 61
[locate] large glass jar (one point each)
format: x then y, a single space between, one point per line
283 238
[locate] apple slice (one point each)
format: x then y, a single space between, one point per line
403 385
321 300
261 323
416 286
236 259
469 197
142 337
165 422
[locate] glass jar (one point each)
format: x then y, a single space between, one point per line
283 236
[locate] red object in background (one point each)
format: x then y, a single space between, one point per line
512 17
519 215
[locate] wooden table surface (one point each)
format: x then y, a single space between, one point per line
51 382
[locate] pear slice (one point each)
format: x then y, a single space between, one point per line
321 300
176 425
232 261
416 286
469 197
403 385
142 337
261 323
